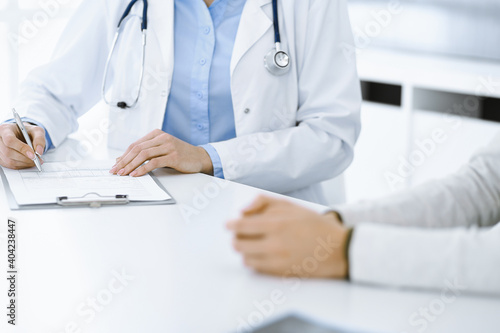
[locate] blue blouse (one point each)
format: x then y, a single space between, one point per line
200 107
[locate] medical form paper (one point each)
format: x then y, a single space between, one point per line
31 187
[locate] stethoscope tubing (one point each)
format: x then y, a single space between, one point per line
144 25
277 36
270 59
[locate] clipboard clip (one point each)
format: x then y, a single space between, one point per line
93 200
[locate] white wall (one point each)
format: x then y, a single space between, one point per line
468 28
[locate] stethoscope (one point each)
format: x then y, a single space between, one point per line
277 61
144 29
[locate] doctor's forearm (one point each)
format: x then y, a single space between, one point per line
57 93
206 160
286 160
215 168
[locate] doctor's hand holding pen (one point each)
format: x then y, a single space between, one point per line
160 149
14 152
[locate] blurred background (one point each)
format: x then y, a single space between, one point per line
430 72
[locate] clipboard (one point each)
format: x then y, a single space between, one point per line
91 200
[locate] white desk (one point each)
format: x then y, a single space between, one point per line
187 278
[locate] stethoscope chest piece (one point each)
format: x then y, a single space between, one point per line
277 62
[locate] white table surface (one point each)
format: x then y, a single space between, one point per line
186 276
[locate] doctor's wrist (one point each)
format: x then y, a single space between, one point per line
206 162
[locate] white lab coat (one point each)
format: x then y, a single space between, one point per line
293 131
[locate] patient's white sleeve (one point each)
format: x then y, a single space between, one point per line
444 230
425 258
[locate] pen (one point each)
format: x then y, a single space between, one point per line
20 124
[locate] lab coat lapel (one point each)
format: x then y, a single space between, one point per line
159 62
253 25
161 25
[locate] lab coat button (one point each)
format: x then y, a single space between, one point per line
247 110
199 95
199 126
206 30
163 93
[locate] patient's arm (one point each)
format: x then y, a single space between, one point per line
468 258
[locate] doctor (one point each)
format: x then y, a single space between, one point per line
283 124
